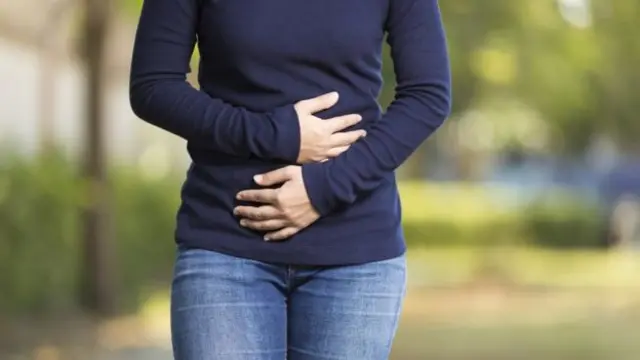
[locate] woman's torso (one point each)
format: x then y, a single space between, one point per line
264 54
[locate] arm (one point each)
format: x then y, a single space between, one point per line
421 64
160 94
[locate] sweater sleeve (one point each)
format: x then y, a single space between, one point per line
160 94
422 103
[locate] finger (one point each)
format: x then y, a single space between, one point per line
265 196
342 122
281 234
265 212
317 104
274 177
346 138
266 225
336 151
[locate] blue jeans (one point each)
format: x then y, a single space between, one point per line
228 308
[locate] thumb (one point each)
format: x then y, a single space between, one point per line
273 177
317 104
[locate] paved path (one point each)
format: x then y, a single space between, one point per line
142 337
129 354
137 354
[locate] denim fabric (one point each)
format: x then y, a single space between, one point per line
229 308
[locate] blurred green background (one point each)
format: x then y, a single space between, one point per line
521 214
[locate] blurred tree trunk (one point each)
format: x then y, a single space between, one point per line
98 279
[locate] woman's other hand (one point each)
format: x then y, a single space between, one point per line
282 212
323 139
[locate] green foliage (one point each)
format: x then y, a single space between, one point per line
38 244
40 201
564 227
144 227
575 67
467 215
130 7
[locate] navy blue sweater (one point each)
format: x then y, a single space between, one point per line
257 59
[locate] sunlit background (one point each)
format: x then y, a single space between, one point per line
521 214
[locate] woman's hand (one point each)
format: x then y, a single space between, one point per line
284 211
323 139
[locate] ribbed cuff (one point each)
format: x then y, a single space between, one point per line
287 133
316 182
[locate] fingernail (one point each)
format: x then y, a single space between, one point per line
239 196
267 238
257 178
243 222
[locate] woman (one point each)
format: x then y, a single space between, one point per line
289 236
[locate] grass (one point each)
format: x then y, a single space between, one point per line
525 267
521 304
586 340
